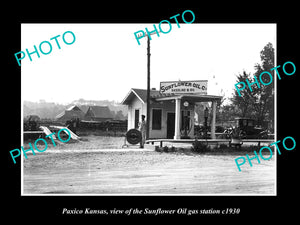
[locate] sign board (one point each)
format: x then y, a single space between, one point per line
184 87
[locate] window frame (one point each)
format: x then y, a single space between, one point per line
156 125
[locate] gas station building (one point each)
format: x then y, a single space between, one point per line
172 108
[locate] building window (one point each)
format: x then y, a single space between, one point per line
136 118
156 119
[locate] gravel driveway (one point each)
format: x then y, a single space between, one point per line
138 172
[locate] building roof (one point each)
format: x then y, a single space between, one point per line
70 113
99 112
189 97
155 94
140 94
74 108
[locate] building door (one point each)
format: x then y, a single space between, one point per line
136 118
170 125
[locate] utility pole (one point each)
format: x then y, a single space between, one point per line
148 86
148 89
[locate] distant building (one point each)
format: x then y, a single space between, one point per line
98 113
70 113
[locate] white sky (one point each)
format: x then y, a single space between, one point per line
106 61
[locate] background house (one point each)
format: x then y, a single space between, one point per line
70 113
98 113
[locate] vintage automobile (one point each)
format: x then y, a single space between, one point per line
249 129
244 128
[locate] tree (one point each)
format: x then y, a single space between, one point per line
226 113
259 103
244 103
264 104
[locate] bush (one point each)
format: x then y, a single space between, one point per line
172 149
199 147
165 149
222 146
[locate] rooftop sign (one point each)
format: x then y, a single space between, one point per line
184 87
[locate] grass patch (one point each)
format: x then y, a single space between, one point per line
202 148
85 142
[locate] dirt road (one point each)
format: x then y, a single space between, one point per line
144 172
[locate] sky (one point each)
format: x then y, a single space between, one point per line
105 61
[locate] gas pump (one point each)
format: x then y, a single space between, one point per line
186 125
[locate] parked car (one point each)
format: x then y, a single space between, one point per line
249 130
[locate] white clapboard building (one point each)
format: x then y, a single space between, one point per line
172 108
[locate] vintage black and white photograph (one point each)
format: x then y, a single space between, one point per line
148 108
